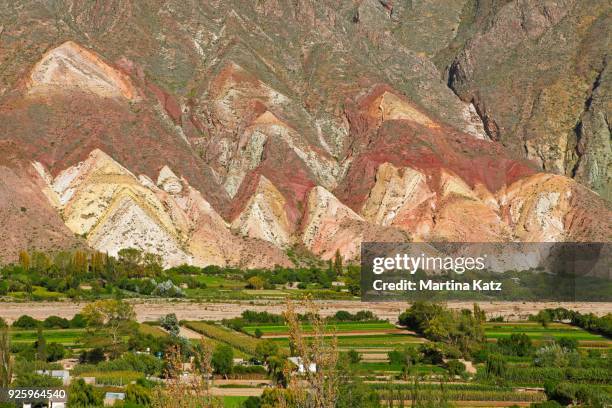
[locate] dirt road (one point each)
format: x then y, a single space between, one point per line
150 310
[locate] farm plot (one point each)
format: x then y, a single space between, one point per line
66 337
240 341
537 332
341 329
456 392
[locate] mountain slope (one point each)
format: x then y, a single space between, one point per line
229 132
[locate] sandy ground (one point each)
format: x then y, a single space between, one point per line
151 310
236 392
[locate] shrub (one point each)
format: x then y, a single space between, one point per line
455 367
170 323
553 355
138 394
56 322
84 395
518 344
32 380
253 369
568 343
354 357
26 322
223 359
168 289
55 351
92 356
431 354
496 366
78 322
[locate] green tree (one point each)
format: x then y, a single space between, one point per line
338 263
24 260
518 344
131 262
170 323
32 380
496 366
223 360
83 395
455 367
26 322
137 394
354 356
256 282
41 346
108 322
266 349
55 351
6 362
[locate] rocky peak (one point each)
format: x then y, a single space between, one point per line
70 67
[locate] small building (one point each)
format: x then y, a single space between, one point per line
297 361
63 375
111 397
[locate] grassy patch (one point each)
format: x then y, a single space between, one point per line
64 336
241 341
537 332
338 327
233 402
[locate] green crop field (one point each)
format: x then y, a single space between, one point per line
233 402
337 327
367 368
240 341
537 332
66 337
376 341
155 331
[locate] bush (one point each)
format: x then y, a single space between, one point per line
496 366
223 359
168 289
170 323
431 354
455 367
32 380
83 395
354 357
518 344
55 351
78 322
138 394
26 322
251 402
568 343
553 355
92 356
253 369
56 322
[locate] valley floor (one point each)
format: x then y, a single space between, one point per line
151 310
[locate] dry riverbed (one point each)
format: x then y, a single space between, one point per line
150 310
